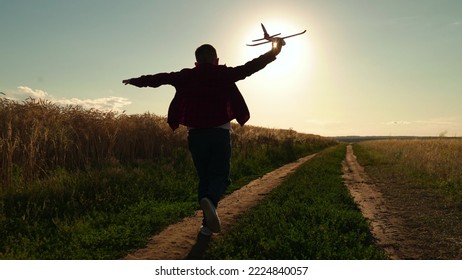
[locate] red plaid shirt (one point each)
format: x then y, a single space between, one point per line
206 96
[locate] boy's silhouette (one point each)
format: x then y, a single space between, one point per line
206 100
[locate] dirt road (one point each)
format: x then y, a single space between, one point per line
385 226
408 219
181 240
398 217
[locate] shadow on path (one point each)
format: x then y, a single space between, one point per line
198 250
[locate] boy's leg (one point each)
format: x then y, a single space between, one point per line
211 152
201 157
219 165
199 146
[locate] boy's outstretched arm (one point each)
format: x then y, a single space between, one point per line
151 80
126 82
138 82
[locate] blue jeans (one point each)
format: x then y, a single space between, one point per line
211 152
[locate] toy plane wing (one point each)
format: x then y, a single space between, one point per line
271 38
294 35
251 45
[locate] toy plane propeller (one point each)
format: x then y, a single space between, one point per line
271 38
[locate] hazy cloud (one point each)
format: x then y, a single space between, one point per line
449 125
34 93
113 103
398 123
425 122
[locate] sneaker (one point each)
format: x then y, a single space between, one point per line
210 215
206 231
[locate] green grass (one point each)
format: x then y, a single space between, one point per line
310 216
98 214
106 211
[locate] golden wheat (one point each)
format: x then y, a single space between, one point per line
441 157
37 137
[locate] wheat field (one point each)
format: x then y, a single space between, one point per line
441 158
37 137
73 179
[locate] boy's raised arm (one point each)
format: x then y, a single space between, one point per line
255 65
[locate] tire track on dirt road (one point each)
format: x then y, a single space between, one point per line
181 240
385 227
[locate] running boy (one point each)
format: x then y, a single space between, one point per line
206 100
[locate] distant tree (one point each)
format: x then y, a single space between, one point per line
443 134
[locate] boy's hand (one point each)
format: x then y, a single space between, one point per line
126 82
277 45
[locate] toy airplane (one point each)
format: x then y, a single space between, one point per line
271 38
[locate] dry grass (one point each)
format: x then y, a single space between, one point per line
38 137
421 182
81 184
440 158
435 163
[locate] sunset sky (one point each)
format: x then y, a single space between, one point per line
372 67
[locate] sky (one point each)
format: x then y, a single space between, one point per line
376 67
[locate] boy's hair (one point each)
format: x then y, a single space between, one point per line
206 54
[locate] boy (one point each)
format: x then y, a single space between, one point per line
206 100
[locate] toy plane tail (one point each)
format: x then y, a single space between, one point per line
266 36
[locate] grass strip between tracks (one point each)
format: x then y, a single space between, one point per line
310 216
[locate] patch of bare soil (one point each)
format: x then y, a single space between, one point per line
409 222
182 241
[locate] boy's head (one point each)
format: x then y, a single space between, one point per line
206 54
